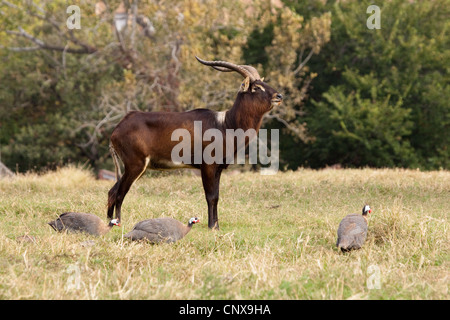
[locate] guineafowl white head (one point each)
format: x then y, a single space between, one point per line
366 210
193 220
115 222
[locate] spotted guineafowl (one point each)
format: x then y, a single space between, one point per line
82 222
160 230
352 230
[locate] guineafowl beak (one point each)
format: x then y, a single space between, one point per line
366 210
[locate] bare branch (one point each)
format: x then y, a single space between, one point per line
45 17
88 47
24 34
46 46
299 131
64 61
9 4
175 51
304 62
39 8
133 26
120 38
21 49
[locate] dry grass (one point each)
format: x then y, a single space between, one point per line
277 237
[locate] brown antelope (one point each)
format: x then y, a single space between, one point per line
144 139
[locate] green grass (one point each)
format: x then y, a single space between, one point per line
277 237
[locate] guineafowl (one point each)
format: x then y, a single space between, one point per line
352 230
82 222
160 230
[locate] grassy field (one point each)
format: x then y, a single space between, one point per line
277 237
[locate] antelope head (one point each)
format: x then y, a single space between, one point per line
253 88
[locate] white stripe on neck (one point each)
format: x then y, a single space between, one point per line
220 116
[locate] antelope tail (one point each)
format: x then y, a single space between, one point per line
116 159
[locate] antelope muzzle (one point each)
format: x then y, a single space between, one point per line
277 98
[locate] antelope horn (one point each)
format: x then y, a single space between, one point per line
252 70
228 66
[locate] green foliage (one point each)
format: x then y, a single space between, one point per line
381 97
362 98
353 130
26 146
254 52
44 109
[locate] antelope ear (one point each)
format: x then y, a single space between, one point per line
245 84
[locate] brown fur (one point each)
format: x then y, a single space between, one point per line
143 137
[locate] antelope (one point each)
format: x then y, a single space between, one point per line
143 140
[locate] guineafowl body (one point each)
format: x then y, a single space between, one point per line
160 230
352 231
82 222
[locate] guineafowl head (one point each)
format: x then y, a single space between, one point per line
193 221
366 210
114 222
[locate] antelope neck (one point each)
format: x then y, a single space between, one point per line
243 117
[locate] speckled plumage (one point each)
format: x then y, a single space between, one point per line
80 222
352 231
159 230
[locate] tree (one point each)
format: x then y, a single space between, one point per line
63 90
381 98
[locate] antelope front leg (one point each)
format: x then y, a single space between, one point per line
211 180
